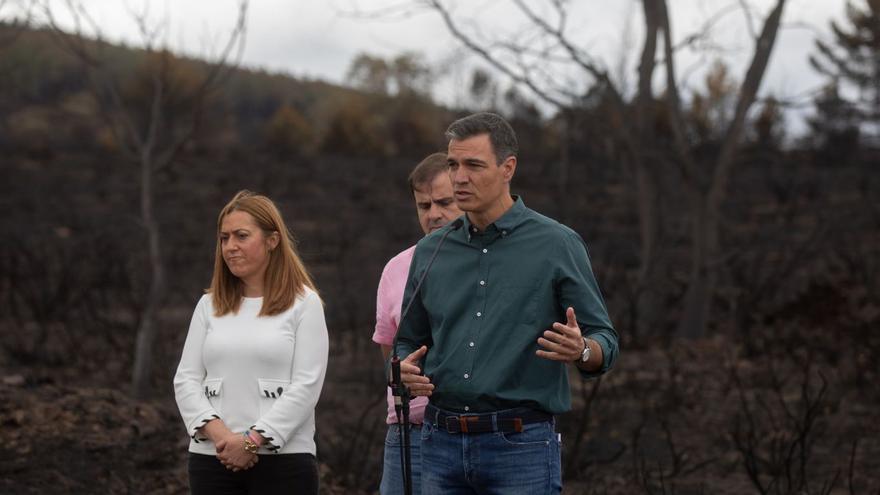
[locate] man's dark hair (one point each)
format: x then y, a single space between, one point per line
429 168
500 133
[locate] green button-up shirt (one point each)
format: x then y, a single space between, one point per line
488 297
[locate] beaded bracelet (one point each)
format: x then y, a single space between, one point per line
253 436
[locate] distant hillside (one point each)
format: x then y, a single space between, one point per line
47 103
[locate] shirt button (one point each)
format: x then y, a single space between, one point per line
466 376
466 408
471 344
503 232
485 251
482 282
479 314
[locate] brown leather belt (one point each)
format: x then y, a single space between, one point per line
506 421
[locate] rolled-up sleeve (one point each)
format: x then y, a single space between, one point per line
414 330
578 288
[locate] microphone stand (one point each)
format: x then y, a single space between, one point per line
399 389
401 407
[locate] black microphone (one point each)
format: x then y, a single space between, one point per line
455 225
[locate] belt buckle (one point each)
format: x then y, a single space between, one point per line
461 422
451 424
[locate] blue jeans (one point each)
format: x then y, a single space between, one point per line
526 463
392 479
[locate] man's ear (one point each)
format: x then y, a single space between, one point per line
508 168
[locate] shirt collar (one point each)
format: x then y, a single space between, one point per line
507 223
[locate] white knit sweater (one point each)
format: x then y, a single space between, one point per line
263 372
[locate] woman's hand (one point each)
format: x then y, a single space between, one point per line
232 454
215 430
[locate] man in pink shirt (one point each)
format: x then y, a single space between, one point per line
435 205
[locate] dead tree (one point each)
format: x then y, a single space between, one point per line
150 138
524 62
538 57
707 186
775 430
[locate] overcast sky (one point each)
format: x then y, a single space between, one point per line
319 38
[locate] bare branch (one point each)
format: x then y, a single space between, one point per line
219 72
647 64
148 32
702 36
686 162
852 464
396 12
750 20
748 91
492 60
104 88
577 56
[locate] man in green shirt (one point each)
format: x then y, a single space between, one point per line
509 302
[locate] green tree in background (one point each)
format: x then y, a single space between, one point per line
402 75
853 61
288 132
834 126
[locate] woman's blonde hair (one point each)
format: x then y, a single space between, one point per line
286 275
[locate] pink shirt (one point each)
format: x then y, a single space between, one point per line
389 299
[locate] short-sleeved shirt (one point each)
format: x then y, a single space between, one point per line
389 299
488 297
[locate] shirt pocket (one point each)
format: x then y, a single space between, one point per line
519 301
213 390
271 390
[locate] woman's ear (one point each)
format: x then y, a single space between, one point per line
273 240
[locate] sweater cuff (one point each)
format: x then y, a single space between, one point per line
196 426
274 441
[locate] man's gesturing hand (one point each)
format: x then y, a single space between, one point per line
410 374
564 342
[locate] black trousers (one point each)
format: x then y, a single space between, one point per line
273 474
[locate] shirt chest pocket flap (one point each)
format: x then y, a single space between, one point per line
213 390
271 390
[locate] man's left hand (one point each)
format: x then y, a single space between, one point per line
564 342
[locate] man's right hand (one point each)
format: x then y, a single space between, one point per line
410 374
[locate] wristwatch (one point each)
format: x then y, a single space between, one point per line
585 354
250 445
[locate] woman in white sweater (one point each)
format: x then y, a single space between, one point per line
254 361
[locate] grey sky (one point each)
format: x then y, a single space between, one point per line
310 38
